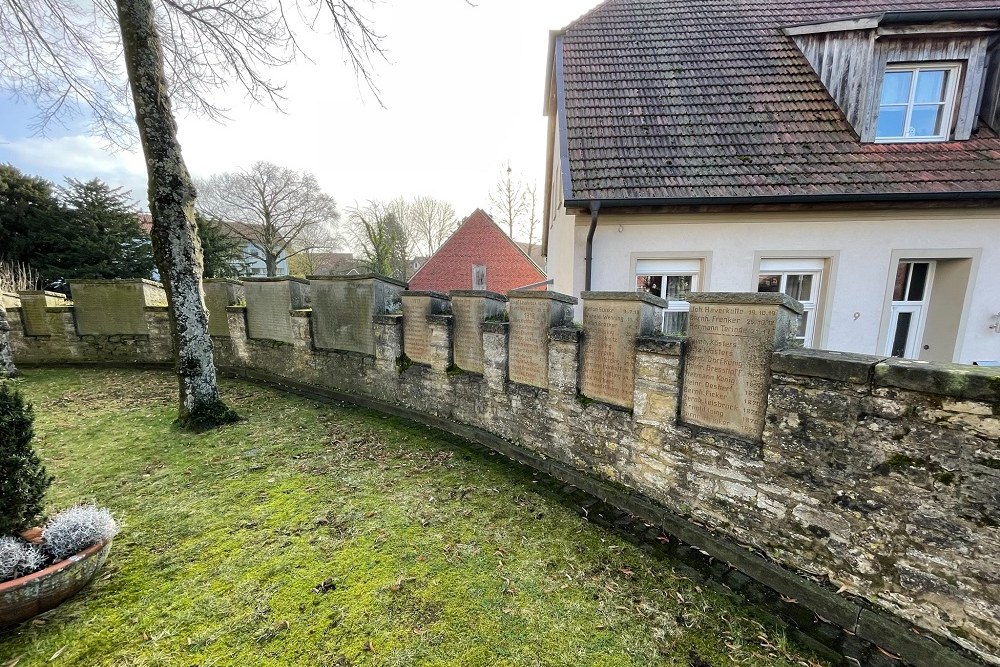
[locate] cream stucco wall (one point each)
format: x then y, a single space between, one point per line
861 248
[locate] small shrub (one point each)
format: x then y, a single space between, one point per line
24 480
77 528
18 558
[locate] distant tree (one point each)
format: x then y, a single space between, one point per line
32 221
105 240
379 238
533 223
221 249
279 211
431 221
507 202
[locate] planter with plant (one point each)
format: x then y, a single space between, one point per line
40 567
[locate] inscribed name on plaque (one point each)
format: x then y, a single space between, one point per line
610 329
528 356
469 313
416 330
726 369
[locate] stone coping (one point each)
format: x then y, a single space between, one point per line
38 292
227 281
301 312
565 334
115 281
644 297
59 309
669 346
542 294
496 296
439 318
826 364
494 327
275 279
360 276
235 309
436 295
387 318
977 383
747 298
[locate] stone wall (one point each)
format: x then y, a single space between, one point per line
878 479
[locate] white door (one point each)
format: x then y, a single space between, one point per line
908 313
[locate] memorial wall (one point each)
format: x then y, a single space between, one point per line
878 476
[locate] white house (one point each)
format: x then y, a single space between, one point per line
844 152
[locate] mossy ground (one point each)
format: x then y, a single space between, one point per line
311 534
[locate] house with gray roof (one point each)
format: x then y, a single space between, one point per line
843 152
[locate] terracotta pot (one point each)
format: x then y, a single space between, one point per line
27 597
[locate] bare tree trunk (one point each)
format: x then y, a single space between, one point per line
7 368
271 264
176 247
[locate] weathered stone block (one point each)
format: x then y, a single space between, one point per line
269 305
974 383
343 308
106 307
532 315
34 310
220 294
470 308
417 305
612 321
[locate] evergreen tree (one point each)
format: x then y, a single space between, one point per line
32 222
24 480
222 251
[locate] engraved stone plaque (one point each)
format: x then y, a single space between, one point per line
34 304
343 307
611 323
269 305
107 307
221 293
470 309
416 330
532 314
727 365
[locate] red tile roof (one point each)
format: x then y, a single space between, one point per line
709 98
478 240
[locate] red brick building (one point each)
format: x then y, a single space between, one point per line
479 255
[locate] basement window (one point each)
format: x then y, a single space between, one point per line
917 102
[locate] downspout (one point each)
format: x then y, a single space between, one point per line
595 209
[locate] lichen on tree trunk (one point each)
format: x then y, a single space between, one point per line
7 367
176 246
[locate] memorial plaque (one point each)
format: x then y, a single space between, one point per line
219 295
108 307
470 309
343 307
532 314
34 311
416 330
269 305
727 365
611 323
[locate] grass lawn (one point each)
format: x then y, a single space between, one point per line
313 534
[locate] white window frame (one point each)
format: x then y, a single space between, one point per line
918 309
674 267
954 70
798 266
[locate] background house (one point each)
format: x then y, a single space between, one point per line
478 255
842 152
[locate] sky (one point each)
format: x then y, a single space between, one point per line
463 95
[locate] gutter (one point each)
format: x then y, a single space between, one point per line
749 200
595 209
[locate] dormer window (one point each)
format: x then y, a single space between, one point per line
917 102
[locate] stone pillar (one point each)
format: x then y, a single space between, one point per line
495 355
564 360
34 310
343 308
470 308
441 327
731 337
416 328
532 315
388 333
657 381
220 294
7 368
269 305
612 321
110 307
